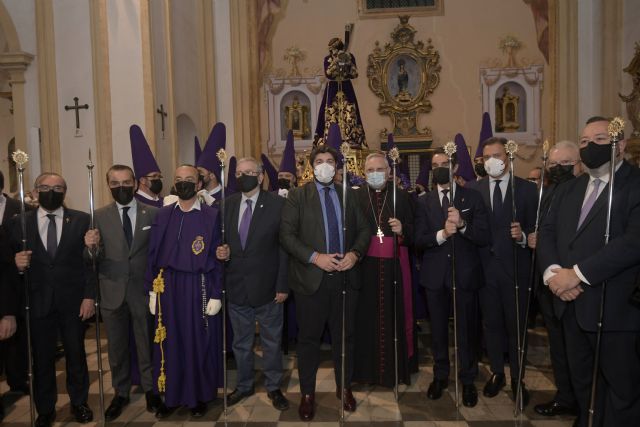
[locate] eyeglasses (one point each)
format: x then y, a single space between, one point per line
153 176
248 173
44 188
563 163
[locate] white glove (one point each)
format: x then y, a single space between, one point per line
169 200
152 302
213 307
283 192
206 197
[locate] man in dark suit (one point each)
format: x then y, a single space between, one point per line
62 294
576 262
122 238
256 279
508 240
564 165
13 350
437 224
311 232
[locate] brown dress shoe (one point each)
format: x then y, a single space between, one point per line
349 400
306 410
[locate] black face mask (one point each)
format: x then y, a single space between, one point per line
122 194
185 190
480 170
156 186
284 184
595 155
50 200
247 183
440 176
560 173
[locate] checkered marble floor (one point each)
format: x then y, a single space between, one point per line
376 405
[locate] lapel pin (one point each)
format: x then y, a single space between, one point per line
261 206
144 212
67 220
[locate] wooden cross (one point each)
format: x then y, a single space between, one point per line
163 114
77 109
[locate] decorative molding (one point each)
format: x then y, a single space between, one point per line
147 70
436 10
566 69
171 128
47 87
101 93
208 67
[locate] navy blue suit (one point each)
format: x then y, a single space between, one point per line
436 276
562 242
497 297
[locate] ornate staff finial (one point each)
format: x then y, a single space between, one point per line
545 149
450 148
20 158
616 129
222 156
345 149
394 155
511 147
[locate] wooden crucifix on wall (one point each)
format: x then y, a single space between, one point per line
163 114
77 109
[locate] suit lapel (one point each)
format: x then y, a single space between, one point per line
315 206
234 211
435 205
142 220
256 216
484 191
32 224
67 223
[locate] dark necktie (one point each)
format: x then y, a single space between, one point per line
332 223
445 203
52 236
243 230
497 200
126 225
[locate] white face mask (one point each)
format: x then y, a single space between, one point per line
494 167
324 172
376 180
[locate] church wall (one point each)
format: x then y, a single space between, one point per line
6 133
75 78
466 37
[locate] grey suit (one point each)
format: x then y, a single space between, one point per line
124 300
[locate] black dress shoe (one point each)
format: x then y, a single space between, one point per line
307 409
469 395
278 400
115 408
82 413
553 408
46 420
164 411
436 387
494 385
199 410
153 401
349 400
237 395
524 391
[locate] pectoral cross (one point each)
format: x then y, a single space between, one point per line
163 114
77 109
380 234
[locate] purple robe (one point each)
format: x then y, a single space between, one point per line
146 201
183 244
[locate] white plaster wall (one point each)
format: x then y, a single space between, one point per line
630 36
6 133
589 56
75 78
125 73
23 14
223 70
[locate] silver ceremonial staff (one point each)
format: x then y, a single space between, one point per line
94 264
394 155
222 157
616 134
345 150
532 278
21 158
450 149
511 149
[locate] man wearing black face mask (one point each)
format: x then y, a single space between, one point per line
436 225
121 240
146 169
62 296
564 165
576 261
256 279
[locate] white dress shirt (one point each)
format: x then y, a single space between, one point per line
3 205
146 196
133 209
43 223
